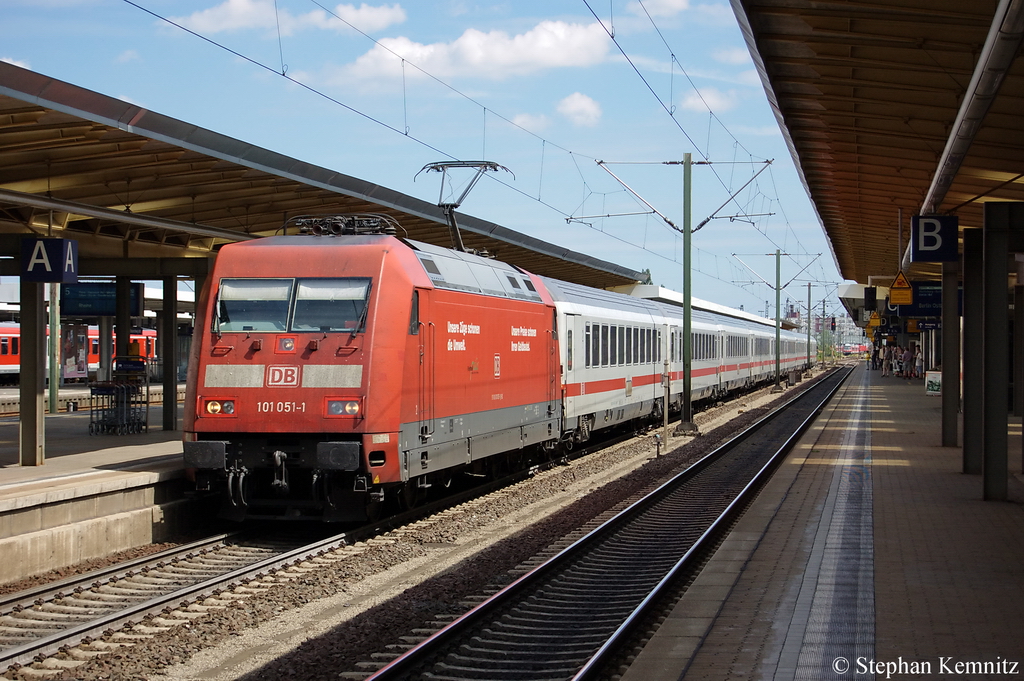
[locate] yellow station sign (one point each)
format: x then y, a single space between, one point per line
900 291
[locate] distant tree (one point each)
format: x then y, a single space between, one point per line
647 277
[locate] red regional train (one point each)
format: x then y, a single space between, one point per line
334 369
10 349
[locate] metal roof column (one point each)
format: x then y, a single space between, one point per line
168 352
1000 218
31 424
950 353
973 321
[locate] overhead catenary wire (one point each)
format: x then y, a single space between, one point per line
405 131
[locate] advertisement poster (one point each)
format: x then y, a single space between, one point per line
74 351
933 383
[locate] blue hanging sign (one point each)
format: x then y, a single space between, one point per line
49 260
933 238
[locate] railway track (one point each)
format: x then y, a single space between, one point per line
41 621
567 618
55 616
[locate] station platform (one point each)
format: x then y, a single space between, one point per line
93 496
869 555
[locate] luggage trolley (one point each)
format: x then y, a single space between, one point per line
121 406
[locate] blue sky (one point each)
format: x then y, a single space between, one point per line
545 89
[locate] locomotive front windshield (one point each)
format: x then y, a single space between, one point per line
291 305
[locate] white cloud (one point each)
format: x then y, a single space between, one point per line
580 110
127 56
534 124
236 15
659 8
712 98
495 55
16 62
732 55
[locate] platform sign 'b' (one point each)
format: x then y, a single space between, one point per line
933 238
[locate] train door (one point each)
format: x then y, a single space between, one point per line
424 328
574 335
554 375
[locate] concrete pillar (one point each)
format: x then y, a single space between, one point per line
999 219
124 317
973 324
31 424
106 333
1018 350
169 352
950 353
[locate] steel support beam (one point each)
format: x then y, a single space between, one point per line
169 352
31 424
1000 219
950 353
1018 350
123 307
973 323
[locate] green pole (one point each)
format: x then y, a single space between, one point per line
54 349
808 368
686 425
778 319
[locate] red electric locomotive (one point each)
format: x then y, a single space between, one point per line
332 369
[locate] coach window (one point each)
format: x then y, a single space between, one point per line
3 346
586 345
622 345
604 345
613 349
568 348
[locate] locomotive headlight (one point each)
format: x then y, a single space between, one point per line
285 344
220 407
343 408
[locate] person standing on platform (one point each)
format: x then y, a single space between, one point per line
908 363
919 363
886 360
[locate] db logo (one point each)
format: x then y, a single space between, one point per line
282 376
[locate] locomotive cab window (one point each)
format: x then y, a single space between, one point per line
330 304
290 305
253 304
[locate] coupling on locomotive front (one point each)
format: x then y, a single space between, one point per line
333 369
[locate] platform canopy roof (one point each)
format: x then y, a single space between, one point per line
894 104
127 182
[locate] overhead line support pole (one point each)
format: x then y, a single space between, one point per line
778 319
686 425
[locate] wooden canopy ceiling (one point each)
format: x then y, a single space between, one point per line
868 95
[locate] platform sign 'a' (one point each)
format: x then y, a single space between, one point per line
900 291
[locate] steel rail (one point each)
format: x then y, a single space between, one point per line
702 546
404 666
73 635
54 590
